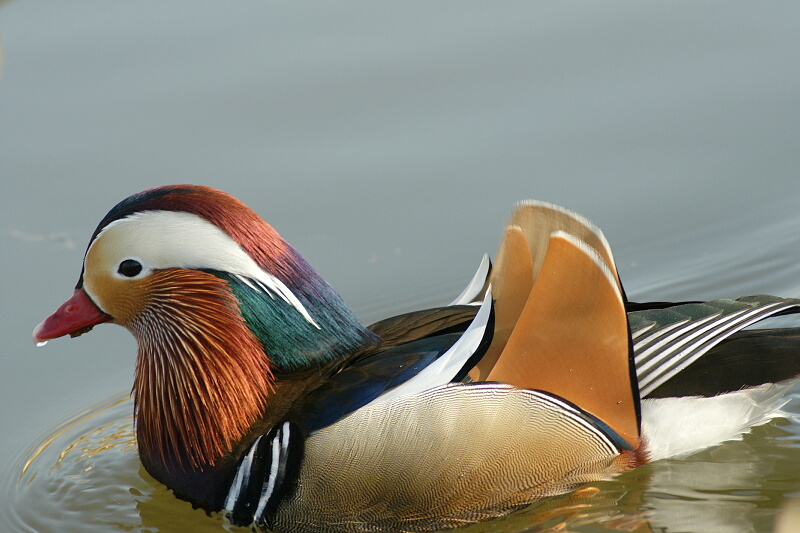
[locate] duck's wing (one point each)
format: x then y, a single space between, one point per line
703 380
571 338
367 379
633 307
560 316
420 350
538 220
744 360
666 342
409 327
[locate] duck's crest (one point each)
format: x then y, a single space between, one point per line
249 230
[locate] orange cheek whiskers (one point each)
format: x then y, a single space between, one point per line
202 377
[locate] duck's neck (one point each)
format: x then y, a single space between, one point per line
208 347
290 339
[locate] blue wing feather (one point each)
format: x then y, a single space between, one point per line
364 380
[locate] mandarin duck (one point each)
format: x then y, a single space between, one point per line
260 395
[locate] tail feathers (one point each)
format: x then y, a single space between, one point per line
676 426
571 338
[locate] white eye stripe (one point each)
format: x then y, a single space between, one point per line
176 239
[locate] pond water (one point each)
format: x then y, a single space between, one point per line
388 144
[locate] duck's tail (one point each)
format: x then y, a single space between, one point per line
560 320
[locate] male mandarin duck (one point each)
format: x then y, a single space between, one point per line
259 394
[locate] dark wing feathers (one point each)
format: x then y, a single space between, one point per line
420 324
410 342
668 341
316 397
745 359
632 307
366 379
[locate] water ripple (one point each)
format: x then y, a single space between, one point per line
85 476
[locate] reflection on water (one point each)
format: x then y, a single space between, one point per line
85 476
117 434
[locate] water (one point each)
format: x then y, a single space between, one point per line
388 143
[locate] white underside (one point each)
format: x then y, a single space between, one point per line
674 427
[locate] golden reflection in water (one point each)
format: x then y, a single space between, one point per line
788 520
616 506
81 476
85 477
123 436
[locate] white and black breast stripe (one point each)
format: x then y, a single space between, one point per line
242 477
277 468
265 475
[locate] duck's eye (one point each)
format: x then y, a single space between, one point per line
130 268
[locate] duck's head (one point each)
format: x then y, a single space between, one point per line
215 298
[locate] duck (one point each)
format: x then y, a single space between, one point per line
258 394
